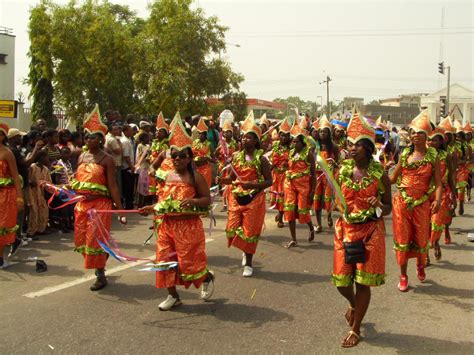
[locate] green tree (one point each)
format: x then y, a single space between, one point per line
303 106
41 71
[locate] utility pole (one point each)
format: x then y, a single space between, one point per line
441 69
328 79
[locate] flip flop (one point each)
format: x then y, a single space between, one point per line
280 224
318 229
350 334
291 244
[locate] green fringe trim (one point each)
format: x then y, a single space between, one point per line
429 158
6 182
83 249
368 279
342 280
361 216
89 186
375 172
192 277
410 247
239 159
436 227
5 231
169 206
161 174
231 233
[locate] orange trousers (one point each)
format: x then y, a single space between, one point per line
276 196
296 199
323 193
85 232
411 230
181 240
441 218
8 224
462 176
244 223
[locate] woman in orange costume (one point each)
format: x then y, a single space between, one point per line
452 150
251 175
226 148
183 198
202 153
329 151
417 175
462 172
280 155
441 219
11 197
96 180
299 185
366 190
159 144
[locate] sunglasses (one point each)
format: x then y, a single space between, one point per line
180 155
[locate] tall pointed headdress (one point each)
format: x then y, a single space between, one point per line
296 131
94 124
457 126
227 126
176 118
446 125
421 123
359 129
285 126
324 123
264 120
179 138
249 125
161 123
201 126
316 124
467 128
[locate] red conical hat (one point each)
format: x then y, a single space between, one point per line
446 125
4 128
248 125
227 126
179 138
161 123
94 124
176 118
324 123
296 131
316 124
264 120
438 132
201 126
285 126
422 123
359 129
467 128
457 126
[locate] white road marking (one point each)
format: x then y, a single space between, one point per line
52 289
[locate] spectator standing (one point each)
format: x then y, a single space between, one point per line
52 140
114 147
128 163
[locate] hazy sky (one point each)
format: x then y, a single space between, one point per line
372 49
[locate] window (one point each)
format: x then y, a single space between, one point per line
2 58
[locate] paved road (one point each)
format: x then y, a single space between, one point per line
288 306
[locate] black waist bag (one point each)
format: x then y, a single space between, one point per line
354 252
245 199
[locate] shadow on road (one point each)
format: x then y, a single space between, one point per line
290 278
444 294
405 343
251 316
127 293
444 264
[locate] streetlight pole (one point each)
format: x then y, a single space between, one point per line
447 90
321 101
328 79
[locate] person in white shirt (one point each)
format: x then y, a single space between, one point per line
113 146
128 163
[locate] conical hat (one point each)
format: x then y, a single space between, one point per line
179 138
264 120
201 126
457 126
324 123
227 126
161 123
467 128
93 122
422 123
176 118
438 132
446 125
4 128
249 125
285 126
316 124
296 131
359 129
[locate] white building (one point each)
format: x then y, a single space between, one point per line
461 103
7 64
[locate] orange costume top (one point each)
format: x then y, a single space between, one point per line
91 181
201 150
246 208
180 235
360 222
225 154
280 156
8 194
411 209
297 186
156 148
323 191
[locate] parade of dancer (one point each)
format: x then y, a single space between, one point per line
158 145
251 175
11 196
359 239
329 151
183 199
470 144
299 185
279 158
442 218
96 180
462 172
226 148
417 176
202 153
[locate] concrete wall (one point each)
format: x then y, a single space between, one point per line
7 71
23 122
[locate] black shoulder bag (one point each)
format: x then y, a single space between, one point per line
354 252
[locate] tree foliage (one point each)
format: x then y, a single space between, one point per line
303 106
104 53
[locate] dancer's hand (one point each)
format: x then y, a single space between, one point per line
435 206
146 210
374 202
189 203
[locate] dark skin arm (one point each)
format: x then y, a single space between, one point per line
396 172
109 165
32 156
203 196
159 159
10 158
312 171
439 188
451 178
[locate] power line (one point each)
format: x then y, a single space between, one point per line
317 31
351 35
